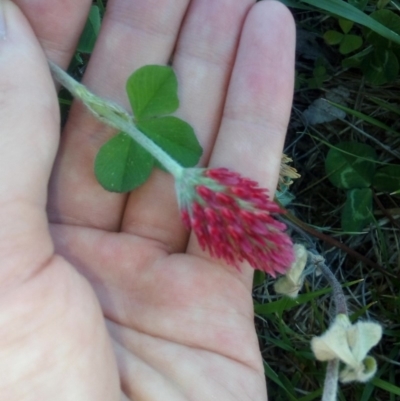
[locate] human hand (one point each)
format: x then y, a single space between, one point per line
114 301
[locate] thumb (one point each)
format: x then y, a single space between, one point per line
29 132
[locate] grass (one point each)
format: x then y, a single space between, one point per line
286 327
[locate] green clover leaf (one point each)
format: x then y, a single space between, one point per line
350 165
152 91
121 164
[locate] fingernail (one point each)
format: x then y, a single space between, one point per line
3 30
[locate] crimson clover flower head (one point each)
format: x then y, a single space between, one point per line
232 218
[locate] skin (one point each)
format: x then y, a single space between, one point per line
105 296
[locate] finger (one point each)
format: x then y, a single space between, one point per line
203 62
57 25
258 104
133 33
29 132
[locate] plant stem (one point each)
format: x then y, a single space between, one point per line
332 369
116 117
338 294
331 381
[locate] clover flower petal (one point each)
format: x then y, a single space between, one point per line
351 344
333 343
290 284
362 373
362 336
232 218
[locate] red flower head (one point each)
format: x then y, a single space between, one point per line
231 217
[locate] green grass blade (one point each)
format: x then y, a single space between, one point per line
364 117
360 157
394 108
356 315
67 102
286 303
346 10
312 396
272 375
384 385
367 392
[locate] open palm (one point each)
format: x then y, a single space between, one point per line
112 300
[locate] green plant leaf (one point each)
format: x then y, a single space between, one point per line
350 43
122 165
346 166
390 20
152 91
345 24
380 66
333 37
387 179
357 211
382 4
101 6
355 60
360 4
258 278
91 31
346 10
175 136
320 72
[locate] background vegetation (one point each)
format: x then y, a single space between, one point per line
344 138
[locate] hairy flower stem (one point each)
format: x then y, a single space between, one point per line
338 294
332 369
331 381
116 117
